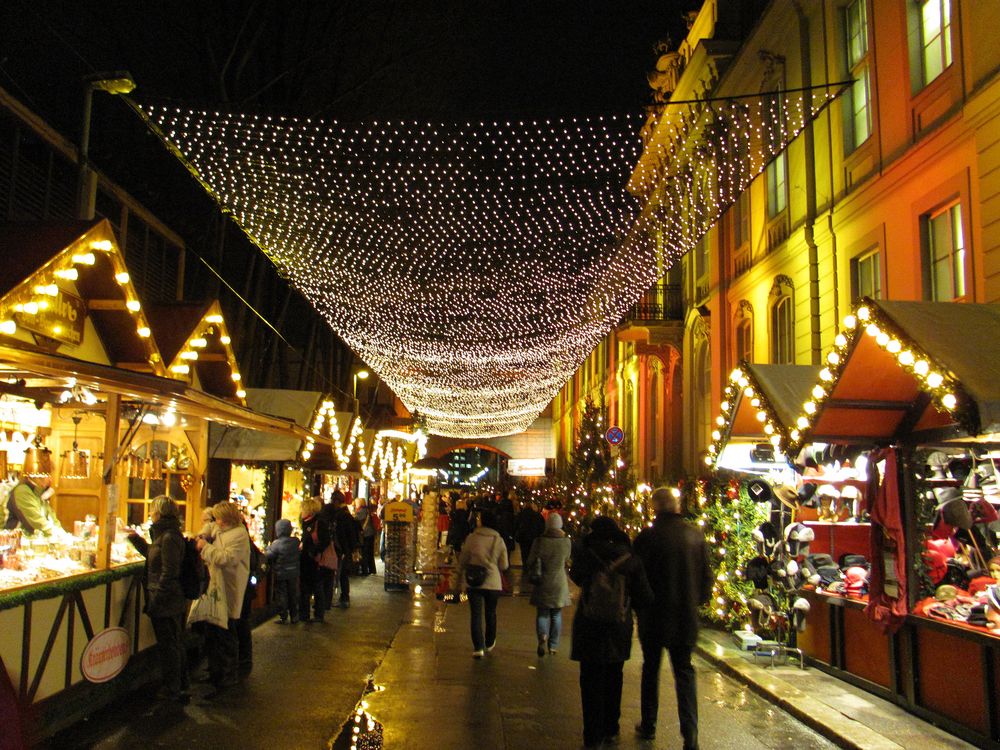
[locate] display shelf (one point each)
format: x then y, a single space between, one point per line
16 596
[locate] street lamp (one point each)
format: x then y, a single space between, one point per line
114 83
358 375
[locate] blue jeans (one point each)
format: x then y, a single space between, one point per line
549 624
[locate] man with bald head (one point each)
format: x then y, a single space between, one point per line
675 558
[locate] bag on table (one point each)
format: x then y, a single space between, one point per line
212 606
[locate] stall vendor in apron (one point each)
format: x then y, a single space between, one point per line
28 506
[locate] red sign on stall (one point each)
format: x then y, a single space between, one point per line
106 655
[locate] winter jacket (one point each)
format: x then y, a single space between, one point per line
164 557
363 518
485 547
346 532
553 548
675 557
27 509
283 553
228 556
312 547
600 641
458 528
529 525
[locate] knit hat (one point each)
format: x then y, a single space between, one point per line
554 521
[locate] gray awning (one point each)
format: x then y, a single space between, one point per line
786 388
251 445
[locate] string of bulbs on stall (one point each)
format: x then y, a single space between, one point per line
475 266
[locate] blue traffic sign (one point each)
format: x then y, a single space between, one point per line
614 435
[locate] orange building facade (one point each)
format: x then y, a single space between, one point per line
890 191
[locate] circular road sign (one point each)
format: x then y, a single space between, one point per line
614 435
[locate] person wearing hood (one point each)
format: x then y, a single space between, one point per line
283 558
165 601
600 645
676 559
549 555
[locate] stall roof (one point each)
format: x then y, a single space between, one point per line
912 371
194 340
250 445
82 261
31 373
779 390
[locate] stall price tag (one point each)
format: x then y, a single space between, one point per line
112 490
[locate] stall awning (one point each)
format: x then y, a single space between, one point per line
251 445
912 371
38 374
761 404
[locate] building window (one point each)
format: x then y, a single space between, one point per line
859 99
946 255
782 331
741 220
744 340
777 185
935 38
703 376
866 276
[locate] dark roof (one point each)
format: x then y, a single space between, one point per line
27 246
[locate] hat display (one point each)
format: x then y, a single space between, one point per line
800 608
756 571
787 495
937 565
856 580
980 583
953 508
759 491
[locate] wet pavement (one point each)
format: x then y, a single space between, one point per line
396 671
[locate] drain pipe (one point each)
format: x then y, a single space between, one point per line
809 142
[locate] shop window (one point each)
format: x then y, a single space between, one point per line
776 177
935 38
156 468
782 323
859 125
866 276
945 275
703 396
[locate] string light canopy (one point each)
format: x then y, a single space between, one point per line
473 266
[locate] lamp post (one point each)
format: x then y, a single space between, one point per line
358 375
117 82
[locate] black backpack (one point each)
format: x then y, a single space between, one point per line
193 571
256 564
606 599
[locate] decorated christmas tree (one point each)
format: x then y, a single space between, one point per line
721 506
600 476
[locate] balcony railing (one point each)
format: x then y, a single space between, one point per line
659 302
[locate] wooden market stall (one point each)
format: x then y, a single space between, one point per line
88 402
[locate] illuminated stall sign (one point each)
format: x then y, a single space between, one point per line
62 319
526 467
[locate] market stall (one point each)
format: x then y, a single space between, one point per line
920 381
86 408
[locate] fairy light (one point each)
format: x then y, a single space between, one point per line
475 266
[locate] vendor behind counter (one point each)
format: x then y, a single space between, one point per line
28 506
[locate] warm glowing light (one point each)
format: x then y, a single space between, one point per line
133 305
143 331
214 318
122 278
85 259
181 369
8 327
69 274
949 401
236 377
102 245
198 343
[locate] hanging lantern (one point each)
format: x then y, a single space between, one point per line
38 461
75 462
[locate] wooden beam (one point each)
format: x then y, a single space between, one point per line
872 405
106 304
135 366
211 357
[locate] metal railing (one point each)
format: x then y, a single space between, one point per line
659 302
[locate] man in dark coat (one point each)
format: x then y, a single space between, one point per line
528 526
346 539
675 558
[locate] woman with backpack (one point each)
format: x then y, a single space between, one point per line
315 539
166 604
546 566
482 560
613 582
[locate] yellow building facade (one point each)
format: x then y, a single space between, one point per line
891 190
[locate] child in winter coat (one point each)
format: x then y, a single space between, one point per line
283 558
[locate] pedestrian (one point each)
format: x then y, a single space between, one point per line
327 517
550 553
283 558
363 517
166 605
607 571
528 526
347 542
244 630
458 525
228 560
676 559
315 539
482 561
